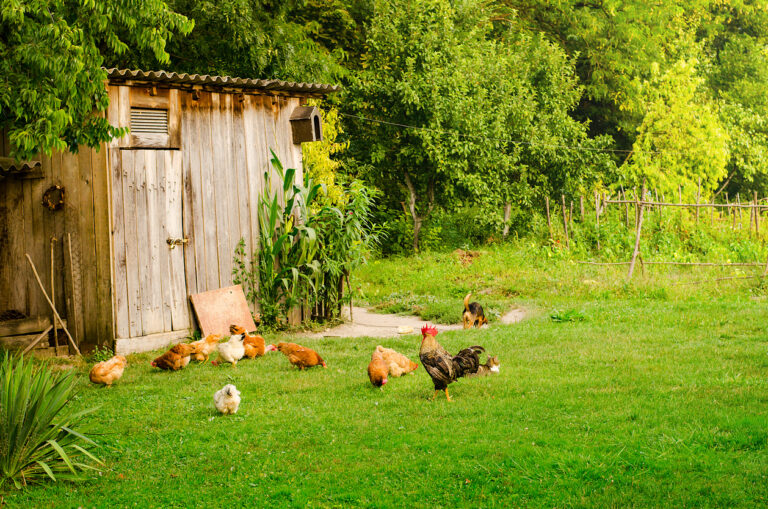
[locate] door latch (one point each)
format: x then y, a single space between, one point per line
177 242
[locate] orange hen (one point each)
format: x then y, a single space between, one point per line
254 345
175 358
205 347
377 369
108 371
300 356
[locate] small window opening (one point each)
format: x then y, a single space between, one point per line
149 121
316 120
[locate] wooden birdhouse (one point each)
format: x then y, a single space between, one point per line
306 125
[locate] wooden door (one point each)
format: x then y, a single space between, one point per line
148 239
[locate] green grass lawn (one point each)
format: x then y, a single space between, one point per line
658 397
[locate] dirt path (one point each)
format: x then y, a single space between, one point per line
377 325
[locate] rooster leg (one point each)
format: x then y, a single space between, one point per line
446 395
433 396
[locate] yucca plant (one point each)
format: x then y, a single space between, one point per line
37 436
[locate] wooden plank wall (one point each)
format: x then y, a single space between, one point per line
226 142
28 227
225 151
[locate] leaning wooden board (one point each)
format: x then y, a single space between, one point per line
216 310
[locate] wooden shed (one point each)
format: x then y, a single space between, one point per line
126 233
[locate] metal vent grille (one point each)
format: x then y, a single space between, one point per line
147 121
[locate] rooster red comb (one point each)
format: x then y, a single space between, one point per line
429 330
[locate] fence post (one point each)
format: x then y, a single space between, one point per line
757 218
581 206
549 220
565 222
638 229
626 209
597 218
698 199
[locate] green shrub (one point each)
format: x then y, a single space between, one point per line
101 354
38 440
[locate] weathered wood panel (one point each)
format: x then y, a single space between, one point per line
102 202
133 281
221 173
207 184
194 252
119 262
175 229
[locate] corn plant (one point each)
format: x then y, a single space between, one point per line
38 440
287 243
304 255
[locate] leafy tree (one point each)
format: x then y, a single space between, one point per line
669 150
483 128
248 38
321 160
736 38
51 55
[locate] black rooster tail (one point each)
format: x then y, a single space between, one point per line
468 360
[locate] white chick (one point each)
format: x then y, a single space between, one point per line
227 400
233 350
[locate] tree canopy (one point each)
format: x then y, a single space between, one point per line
51 56
492 104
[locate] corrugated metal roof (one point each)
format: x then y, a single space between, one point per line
222 81
9 165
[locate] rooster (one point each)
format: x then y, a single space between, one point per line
443 367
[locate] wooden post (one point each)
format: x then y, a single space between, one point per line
765 270
728 209
581 206
71 296
634 192
757 218
638 229
597 218
570 215
53 296
349 290
53 308
659 208
549 219
565 222
712 213
698 199
626 210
